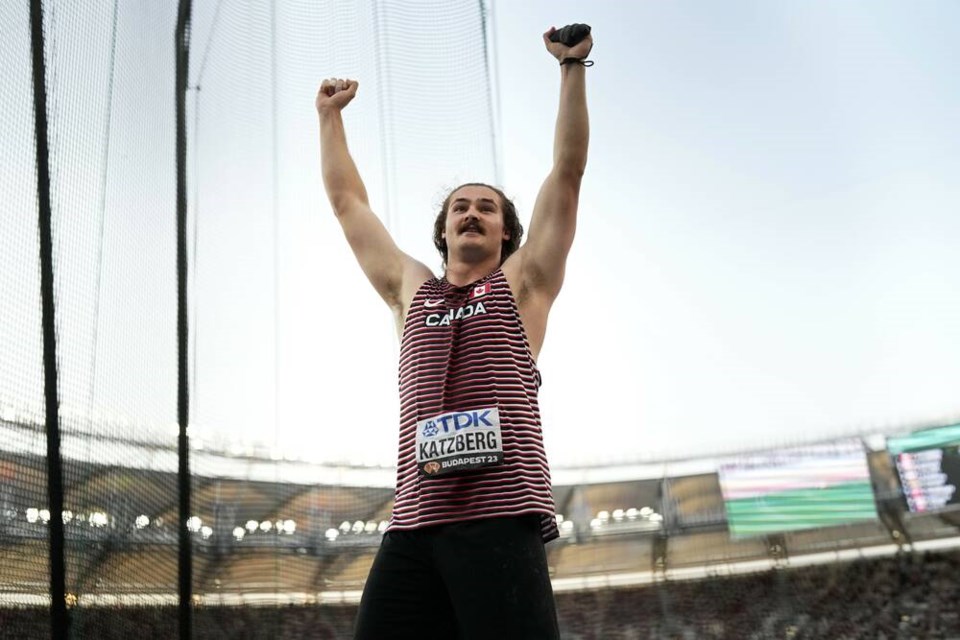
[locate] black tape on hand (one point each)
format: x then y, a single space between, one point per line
571 34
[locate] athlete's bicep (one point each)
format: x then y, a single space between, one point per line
385 265
542 258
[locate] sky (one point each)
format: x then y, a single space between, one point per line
766 248
765 253
766 245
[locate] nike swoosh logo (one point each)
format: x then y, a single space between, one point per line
432 303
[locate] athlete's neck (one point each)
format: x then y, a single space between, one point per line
460 274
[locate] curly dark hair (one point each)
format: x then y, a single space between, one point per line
511 223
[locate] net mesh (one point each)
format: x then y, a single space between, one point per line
260 535
110 82
24 545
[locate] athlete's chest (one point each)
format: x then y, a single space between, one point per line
442 305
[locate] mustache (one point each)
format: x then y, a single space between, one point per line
471 225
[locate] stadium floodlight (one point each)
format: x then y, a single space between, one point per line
358 526
559 518
596 523
252 525
646 512
332 534
142 521
280 526
206 532
98 519
618 514
656 517
632 513
238 533
382 526
66 516
266 525
290 527
45 515
33 515
566 525
603 516
194 523
344 527
371 527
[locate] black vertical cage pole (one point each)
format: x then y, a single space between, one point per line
59 618
185 572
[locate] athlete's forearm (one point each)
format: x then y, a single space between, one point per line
572 134
340 176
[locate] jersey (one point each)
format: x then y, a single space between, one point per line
470 443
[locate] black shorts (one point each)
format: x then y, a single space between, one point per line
480 579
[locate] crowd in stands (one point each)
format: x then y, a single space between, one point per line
209 623
906 597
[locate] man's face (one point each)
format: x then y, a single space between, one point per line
474 225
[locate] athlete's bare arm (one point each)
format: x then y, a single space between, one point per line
536 270
395 275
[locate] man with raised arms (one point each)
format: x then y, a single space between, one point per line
463 555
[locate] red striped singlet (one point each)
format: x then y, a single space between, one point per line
464 352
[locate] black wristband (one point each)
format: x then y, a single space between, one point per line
581 61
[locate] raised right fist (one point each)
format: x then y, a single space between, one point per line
336 93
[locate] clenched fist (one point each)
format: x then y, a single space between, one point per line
561 51
336 93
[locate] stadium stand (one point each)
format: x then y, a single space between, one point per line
903 596
643 558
